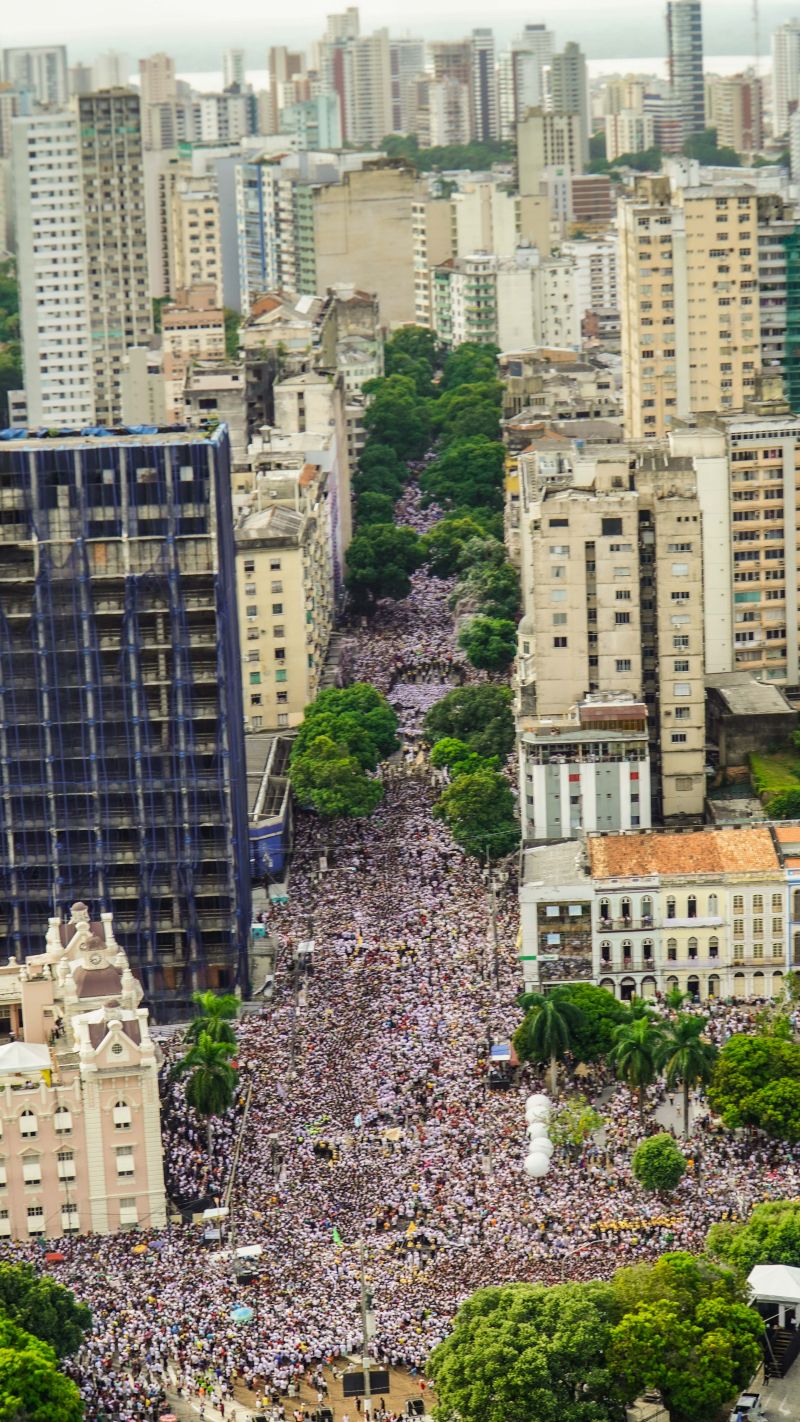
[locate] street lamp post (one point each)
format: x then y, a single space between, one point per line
365 1310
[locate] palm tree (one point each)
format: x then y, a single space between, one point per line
212 1080
635 1054
675 998
548 1029
687 1057
217 1012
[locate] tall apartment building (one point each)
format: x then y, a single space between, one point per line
612 588
233 70
362 234
286 593
734 107
81 1129
406 61
785 75
485 114
283 65
689 283
685 59
628 131
52 259
120 312
520 70
121 712
440 113
547 140
358 69
158 92
40 71
195 236
192 329
567 90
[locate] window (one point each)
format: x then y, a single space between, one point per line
28 1125
250 589
623 664
758 926
277 609
682 713
559 641
66 1165
622 572
678 738
605 911
692 946
35 1219
275 565
758 903
276 587
713 947
605 951
249 565
62 1121
684 782
713 905
623 595
256 700
670 908
128 1213
681 688
738 928
738 903
3 1174
281 675
283 719
282 697
777 950
124 1160
255 678
680 570
70 1223
777 924
251 611
32 1170
672 950
559 619
610 526
122 1116
621 619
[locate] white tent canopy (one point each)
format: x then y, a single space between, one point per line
775 1283
19 1057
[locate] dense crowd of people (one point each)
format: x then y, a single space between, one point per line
372 1130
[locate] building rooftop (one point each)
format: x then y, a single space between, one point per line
708 851
273 522
120 435
554 864
745 696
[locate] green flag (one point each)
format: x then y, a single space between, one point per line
337 1238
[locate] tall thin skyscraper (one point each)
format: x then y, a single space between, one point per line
233 74
112 172
122 772
568 89
40 71
785 75
685 48
485 113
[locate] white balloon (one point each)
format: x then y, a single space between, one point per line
537 1113
540 1145
538 1099
538 1130
537 1164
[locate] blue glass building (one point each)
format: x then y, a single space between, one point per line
122 778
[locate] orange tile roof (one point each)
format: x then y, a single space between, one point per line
621 856
787 834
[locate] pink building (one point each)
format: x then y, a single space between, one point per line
80 1125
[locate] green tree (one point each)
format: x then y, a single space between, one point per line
697 1360
601 1012
374 508
489 642
416 370
756 1082
492 591
418 343
704 147
37 1304
785 805
468 410
771 1235
471 363
217 1012
210 1080
658 1164
233 321
546 1032
327 778
357 717
479 812
380 561
443 547
675 998
31 1387
396 416
526 1353
479 715
682 1279
687 1057
467 474
635 1056
575 1121
456 756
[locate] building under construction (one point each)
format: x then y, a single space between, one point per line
122 776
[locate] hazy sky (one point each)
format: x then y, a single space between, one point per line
195 32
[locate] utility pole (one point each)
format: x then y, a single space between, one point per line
365 1302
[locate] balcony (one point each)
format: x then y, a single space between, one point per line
624 925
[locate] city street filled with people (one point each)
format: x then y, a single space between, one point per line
371 1126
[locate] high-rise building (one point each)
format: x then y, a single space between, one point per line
157 84
567 89
685 55
358 70
440 111
785 75
195 235
485 115
40 71
707 295
734 108
628 131
547 140
233 73
111 70
407 61
55 319
283 65
112 176
122 702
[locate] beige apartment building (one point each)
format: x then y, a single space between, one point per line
80 1129
703 292
363 235
285 590
112 177
612 587
547 140
192 329
195 234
